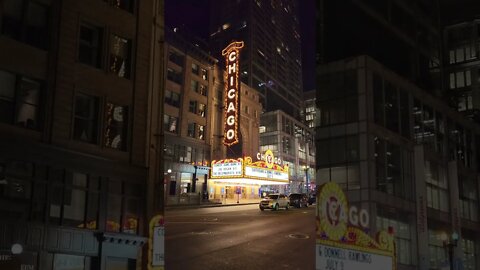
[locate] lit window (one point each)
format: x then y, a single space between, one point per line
116 126
120 56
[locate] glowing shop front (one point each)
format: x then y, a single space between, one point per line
241 179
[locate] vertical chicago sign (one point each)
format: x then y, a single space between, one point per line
232 92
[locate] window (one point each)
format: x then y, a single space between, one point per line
176 58
468 247
120 56
174 76
90 45
170 123
116 126
172 98
436 251
437 187
126 5
202 110
403 239
75 199
202 90
194 86
19 100
195 69
462 53
246 109
460 79
26 21
86 118
201 132
123 207
204 74
191 130
192 106
468 197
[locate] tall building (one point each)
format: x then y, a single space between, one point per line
75 102
461 33
271 60
389 139
310 114
292 141
403 155
187 118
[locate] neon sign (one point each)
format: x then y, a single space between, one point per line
232 90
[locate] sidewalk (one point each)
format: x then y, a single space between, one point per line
227 202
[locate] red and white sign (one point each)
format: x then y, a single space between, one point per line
232 91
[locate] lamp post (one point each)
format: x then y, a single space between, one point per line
449 243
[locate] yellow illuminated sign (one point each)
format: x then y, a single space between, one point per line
232 92
343 227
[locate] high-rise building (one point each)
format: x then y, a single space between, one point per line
310 113
461 65
271 60
75 131
388 138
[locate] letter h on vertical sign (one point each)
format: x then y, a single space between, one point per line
232 92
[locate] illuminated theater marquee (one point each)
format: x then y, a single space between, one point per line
232 90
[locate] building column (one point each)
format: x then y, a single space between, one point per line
421 201
455 219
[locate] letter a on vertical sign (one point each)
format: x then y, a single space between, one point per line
156 244
232 92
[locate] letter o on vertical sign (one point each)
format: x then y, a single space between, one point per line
232 90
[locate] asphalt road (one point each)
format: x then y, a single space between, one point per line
240 237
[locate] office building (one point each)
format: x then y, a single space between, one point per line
271 60
293 142
310 112
75 103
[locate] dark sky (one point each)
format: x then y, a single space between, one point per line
193 14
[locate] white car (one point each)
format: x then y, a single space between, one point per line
274 201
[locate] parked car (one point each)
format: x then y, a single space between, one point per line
312 199
274 202
298 200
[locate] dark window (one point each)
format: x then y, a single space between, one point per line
19 100
124 208
172 98
26 21
124 4
191 130
176 58
192 107
86 118
174 76
116 126
120 56
90 45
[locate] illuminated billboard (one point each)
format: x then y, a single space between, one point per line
232 92
342 241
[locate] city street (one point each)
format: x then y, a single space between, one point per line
240 237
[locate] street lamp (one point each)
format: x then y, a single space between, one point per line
305 167
449 244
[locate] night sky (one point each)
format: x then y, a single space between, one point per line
193 14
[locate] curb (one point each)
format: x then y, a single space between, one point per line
194 206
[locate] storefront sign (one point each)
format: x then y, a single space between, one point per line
232 90
156 244
265 173
342 241
333 258
227 168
